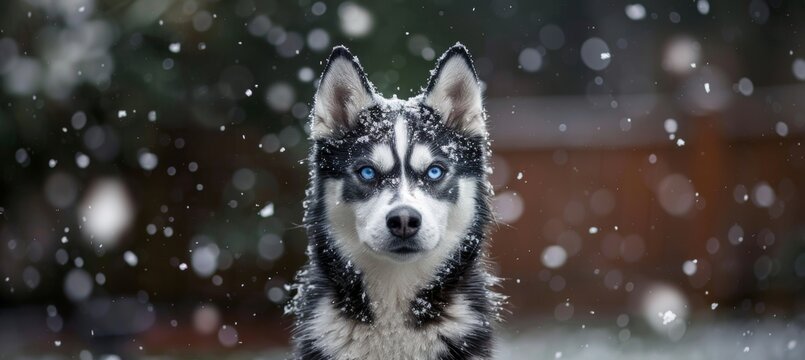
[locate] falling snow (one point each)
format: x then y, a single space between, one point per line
645 185
667 317
267 210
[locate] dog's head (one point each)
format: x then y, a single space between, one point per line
400 179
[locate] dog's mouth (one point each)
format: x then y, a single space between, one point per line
404 249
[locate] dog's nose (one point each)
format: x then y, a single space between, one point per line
403 221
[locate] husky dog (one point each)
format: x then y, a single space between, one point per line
397 217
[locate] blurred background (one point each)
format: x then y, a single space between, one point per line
649 170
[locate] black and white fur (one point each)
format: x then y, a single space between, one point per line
365 293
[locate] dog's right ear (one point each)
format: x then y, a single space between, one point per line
343 92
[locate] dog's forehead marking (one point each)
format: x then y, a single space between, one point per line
401 145
421 157
401 136
383 158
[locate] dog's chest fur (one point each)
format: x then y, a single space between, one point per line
391 335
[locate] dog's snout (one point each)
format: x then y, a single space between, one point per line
403 222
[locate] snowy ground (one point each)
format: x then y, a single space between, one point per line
769 340
745 340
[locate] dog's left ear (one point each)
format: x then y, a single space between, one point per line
454 92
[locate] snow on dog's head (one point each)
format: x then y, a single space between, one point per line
400 179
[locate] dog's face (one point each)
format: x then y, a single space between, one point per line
400 178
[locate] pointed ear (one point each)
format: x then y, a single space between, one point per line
454 92
343 92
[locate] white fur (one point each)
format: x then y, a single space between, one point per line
457 97
421 157
329 111
389 338
401 139
383 158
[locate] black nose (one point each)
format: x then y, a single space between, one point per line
403 222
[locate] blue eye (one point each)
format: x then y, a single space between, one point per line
367 173
435 172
